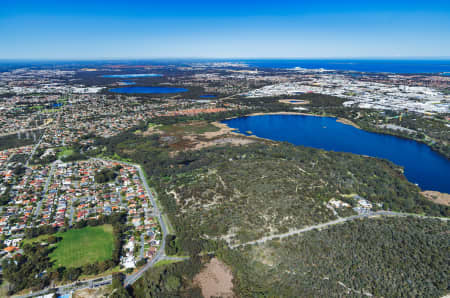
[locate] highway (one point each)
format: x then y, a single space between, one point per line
160 254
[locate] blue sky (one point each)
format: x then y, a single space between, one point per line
223 29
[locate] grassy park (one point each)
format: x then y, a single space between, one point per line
83 246
64 152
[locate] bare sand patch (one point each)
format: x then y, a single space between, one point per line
437 197
348 122
92 293
152 129
224 129
236 141
215 280
294 101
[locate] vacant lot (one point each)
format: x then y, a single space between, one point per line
215 280
83 246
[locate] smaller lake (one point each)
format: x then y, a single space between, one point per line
133 75
429 169
208 96
148 90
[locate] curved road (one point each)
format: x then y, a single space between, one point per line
160 254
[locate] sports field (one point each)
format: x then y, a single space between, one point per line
83 246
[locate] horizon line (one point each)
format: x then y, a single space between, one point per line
233 58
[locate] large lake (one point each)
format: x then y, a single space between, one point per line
430 170
148 90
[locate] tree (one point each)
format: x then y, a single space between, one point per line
172 283
72 274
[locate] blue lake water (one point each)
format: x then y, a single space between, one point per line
208 96
148 90
430 170
133 75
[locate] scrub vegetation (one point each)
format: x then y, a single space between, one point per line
383 257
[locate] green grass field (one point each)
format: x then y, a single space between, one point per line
83 246
65 152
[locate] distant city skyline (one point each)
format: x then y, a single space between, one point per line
58 30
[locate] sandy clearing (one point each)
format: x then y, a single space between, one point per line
91 293
348 122
437 197
153 129
215 280
224 129
235 141
298 101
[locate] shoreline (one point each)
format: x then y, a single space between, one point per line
347 122
338 119
425 193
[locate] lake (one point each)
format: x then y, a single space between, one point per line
133 75
148 90
430 170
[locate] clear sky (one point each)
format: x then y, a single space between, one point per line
81 29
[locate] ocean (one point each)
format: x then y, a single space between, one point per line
373 66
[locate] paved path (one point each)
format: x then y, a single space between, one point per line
34 148
330 223
141 250
72 211
47 184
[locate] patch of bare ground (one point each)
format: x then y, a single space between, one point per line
153 129
348 122
437 197
223 129
294 101
92 293
224 135
221 141
215 280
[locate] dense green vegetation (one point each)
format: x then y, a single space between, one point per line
105 175
27 270
386 257
88 249
172 280
248 191
12 141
